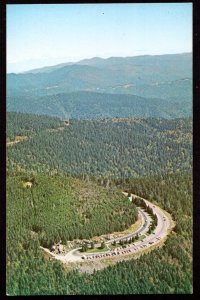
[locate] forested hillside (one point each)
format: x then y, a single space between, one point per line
29 124
63 208
90 105
165 270
176 91
105 148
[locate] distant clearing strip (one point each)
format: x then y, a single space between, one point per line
56 129
17 140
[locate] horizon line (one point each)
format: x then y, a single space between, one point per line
94 57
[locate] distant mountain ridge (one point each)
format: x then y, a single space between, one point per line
103 75
106 62
164 82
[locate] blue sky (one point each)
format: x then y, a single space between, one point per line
41 35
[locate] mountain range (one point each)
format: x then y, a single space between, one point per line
161 81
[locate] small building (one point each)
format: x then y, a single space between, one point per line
130 198
53 248
109 237
86 241
60 248
69 244
66 122
28 184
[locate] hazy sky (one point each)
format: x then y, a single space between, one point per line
46 34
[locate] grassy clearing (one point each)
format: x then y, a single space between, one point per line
96 250
141 238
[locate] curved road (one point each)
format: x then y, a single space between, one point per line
159 234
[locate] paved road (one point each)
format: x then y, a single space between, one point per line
146 219
160 233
